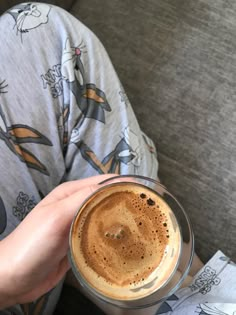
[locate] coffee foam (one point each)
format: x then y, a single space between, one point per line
126 241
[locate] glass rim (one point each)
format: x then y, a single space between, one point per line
152 298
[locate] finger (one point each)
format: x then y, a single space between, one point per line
68 207
196 263
66 189
187 281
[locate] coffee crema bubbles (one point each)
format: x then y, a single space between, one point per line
125 241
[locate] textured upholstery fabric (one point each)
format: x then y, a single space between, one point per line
177 62
6 4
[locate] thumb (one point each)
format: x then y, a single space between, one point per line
69 206
68 188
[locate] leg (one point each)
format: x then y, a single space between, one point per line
63 114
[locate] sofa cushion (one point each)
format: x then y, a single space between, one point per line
176 60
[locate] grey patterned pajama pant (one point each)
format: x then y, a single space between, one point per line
63 116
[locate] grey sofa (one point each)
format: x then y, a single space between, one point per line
177 62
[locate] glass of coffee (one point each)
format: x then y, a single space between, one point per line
127 242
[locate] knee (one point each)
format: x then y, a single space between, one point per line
30 16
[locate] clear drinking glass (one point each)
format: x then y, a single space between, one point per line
149 303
